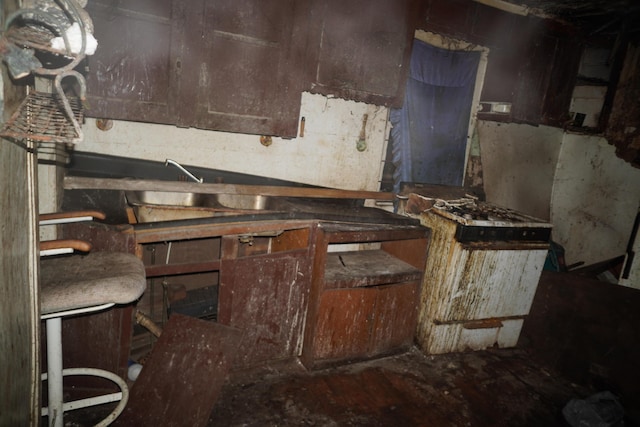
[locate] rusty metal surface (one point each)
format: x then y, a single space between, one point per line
466 282
41 118
182 378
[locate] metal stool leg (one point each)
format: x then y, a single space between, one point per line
54 371
55 374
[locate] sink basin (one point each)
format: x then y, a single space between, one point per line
153 206
199 200
168 198
245 201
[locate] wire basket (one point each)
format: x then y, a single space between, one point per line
41 117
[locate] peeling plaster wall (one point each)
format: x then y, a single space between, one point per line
576 181
596 197
325 156
518 164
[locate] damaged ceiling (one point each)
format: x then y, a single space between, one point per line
606 18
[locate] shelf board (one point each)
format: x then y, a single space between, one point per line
366 268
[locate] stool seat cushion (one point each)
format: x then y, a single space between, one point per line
80 281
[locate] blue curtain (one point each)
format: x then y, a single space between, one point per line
429 133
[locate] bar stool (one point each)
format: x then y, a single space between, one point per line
80 284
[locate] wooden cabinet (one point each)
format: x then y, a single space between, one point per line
326 292
257 282
265 294
225 65
364 295
242 65
132 74
362 49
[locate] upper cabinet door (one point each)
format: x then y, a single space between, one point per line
247 67
362 49
130 76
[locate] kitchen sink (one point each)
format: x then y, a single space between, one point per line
168 198
152 206
245 201
195 200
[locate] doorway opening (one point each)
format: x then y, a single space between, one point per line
429 140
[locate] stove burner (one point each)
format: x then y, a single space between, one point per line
472 209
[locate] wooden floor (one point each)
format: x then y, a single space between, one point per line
501 387
586 330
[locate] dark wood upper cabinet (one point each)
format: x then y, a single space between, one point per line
248 66
362 49
227 65
130 76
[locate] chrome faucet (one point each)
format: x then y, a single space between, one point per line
186 172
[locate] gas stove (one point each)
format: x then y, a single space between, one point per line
482 269
478 220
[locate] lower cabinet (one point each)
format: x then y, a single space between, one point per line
364 322
323 292
364 292
257 282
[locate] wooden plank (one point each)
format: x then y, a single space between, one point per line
77 182
188 229
367 232
182 378
366 268
413 251
318 251
126 52
19 305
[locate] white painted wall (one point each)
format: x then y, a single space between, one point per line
596 197
518 163
575 181
325 156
